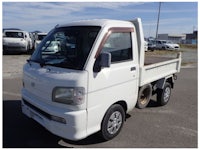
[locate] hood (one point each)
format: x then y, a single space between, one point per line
40 81
37 41
13 41
172 45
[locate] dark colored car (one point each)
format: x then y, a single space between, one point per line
151 46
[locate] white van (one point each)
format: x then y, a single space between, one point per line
38 38
16 41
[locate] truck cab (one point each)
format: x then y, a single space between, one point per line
85 76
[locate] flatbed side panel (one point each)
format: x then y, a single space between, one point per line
157 71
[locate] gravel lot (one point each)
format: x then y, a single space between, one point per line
13 65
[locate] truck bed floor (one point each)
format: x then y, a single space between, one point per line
155 59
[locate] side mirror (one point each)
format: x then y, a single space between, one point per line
102 61
105 60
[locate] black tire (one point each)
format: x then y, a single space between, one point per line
163 95
163 48
112 122
144 96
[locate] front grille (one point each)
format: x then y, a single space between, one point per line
48 116
14 48
43 113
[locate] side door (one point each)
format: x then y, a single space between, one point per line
119 82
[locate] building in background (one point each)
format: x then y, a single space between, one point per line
192 38
175 38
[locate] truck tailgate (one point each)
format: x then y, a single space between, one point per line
155 71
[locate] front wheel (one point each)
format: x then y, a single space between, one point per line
112 122
163 95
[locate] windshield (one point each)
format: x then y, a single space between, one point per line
14 34
66 47
169 42
41 36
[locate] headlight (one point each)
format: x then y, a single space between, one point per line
69 95
23 42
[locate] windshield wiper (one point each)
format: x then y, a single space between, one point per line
36 61
63 64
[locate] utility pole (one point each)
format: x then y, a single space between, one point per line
158 20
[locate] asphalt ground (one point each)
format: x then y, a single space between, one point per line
170 126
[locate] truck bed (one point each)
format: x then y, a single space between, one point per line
155 59
156 68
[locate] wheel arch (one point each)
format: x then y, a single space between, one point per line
171 81
161 82
121 103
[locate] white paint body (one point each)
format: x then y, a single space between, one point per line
102 89
22 43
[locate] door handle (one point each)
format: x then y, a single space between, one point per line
133 68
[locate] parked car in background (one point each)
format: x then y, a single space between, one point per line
32 39
16 41
145 46
166 45
151 45
39 38
52 48
171 46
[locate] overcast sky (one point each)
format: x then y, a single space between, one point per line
175 17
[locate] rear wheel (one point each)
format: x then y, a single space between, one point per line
112 122
144 96
163 95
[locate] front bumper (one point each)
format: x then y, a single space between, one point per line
73 128
7 48
172 48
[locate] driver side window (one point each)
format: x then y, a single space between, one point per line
120 47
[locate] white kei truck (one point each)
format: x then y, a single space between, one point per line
96 75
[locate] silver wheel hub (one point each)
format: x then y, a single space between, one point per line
114 122
167 94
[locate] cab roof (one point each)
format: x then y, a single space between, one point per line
97 22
